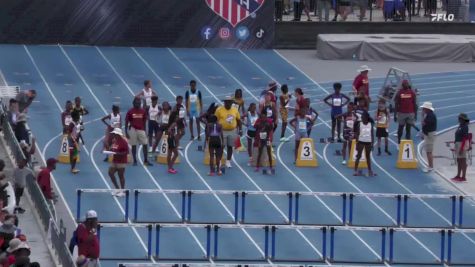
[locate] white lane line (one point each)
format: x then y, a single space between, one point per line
296 176
330 128
59 191
150 175
219 101
242 170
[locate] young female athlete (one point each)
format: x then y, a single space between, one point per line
364 136
382 125
284 99
115 121
214 132
299 123
251 118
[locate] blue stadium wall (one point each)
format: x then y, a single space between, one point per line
158 23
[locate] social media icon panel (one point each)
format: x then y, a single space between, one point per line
207 32
224 33
242 32
260 32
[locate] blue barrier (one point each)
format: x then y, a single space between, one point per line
294 202
149 228
79 193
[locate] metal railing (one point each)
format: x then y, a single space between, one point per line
42 206
373 10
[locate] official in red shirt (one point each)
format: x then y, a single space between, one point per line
405 110
88 242
120 150
361 82
44 178
135 122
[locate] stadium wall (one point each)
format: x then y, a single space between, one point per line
158 23
303 35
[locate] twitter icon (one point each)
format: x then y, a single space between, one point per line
242 32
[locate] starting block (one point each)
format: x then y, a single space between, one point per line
306 157
63 156
206 158
351 161
163 151
264 159
406 156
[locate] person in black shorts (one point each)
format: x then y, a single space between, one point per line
251 118
172 150
214 132
349 118
180 119
163 123
364 141
382 125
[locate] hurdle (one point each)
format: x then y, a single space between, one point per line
442 233
137 192
149 228
79 193
328 239
348 199
450 234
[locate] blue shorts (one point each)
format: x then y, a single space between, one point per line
194 114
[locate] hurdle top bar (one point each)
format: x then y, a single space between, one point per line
293 227
334 194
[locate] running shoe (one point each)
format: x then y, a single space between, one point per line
192 138
228 164
146 163
220 173
211 174
114 192
428 169
74 171
120 193
172 171
456 179
343 162
387 152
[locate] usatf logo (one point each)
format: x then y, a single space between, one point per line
442 17
235 11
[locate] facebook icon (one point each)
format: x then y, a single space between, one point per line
207 33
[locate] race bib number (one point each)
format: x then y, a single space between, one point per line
336 102
269 113
181 113
302 125
263 135
253 120
350 124
382 119
230 119
193 98
165 119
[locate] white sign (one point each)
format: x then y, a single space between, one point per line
307 151
407 154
